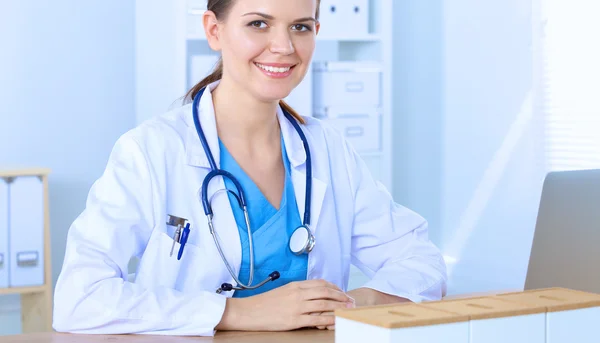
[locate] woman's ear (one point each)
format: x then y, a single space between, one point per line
211 29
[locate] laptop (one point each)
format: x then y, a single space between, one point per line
566 245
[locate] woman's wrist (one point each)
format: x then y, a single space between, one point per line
230 320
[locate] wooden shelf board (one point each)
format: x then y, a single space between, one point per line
23 290
23 171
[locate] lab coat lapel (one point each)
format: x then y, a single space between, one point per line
223 219
297 156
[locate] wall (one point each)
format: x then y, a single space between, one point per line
468 153
493 159
66 94
418 111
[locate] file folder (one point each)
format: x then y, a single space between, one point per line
4 265
26 231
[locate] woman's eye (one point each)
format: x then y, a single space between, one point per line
258 24
300 27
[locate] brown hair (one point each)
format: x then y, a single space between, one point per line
221 8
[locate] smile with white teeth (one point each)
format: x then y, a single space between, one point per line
273 69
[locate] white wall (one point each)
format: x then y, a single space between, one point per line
66 94
493 156
468 152
418 113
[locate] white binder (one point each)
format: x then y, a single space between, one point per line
4 265
26 215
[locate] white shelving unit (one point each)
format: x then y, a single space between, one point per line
169 35
26 268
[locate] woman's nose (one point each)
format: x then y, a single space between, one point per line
281 43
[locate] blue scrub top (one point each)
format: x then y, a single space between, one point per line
271 229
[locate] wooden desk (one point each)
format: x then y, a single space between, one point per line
300 336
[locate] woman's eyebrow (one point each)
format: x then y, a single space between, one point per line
266 16
270 17
306 19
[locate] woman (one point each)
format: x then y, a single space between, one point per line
238 123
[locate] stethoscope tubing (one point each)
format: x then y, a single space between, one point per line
215 171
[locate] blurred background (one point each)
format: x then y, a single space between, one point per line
475 102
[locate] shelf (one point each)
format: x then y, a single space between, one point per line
358 39
23 290
23 171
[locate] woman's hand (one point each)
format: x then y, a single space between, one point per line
289 307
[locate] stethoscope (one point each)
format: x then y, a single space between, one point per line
302 240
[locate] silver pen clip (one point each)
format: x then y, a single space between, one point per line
179 223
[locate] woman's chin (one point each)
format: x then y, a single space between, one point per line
273 94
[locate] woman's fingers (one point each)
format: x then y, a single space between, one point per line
322 305
325 293
317 283
320 327
317 321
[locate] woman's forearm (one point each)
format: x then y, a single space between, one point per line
230 319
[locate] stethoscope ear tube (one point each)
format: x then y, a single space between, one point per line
226 287
307 198
206 204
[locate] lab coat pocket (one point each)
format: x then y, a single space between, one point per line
158 268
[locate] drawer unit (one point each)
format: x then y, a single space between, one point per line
355 13
360 126
346 84
335 15
571 315
330 19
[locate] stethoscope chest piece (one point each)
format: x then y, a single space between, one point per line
302 241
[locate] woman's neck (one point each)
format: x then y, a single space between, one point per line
243 119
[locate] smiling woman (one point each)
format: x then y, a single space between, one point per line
292 204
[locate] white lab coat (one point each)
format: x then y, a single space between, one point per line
158 168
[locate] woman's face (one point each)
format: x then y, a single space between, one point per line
266 45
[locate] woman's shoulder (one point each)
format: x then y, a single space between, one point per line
161 131
154 137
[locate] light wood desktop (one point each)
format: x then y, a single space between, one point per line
313 336
307 335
